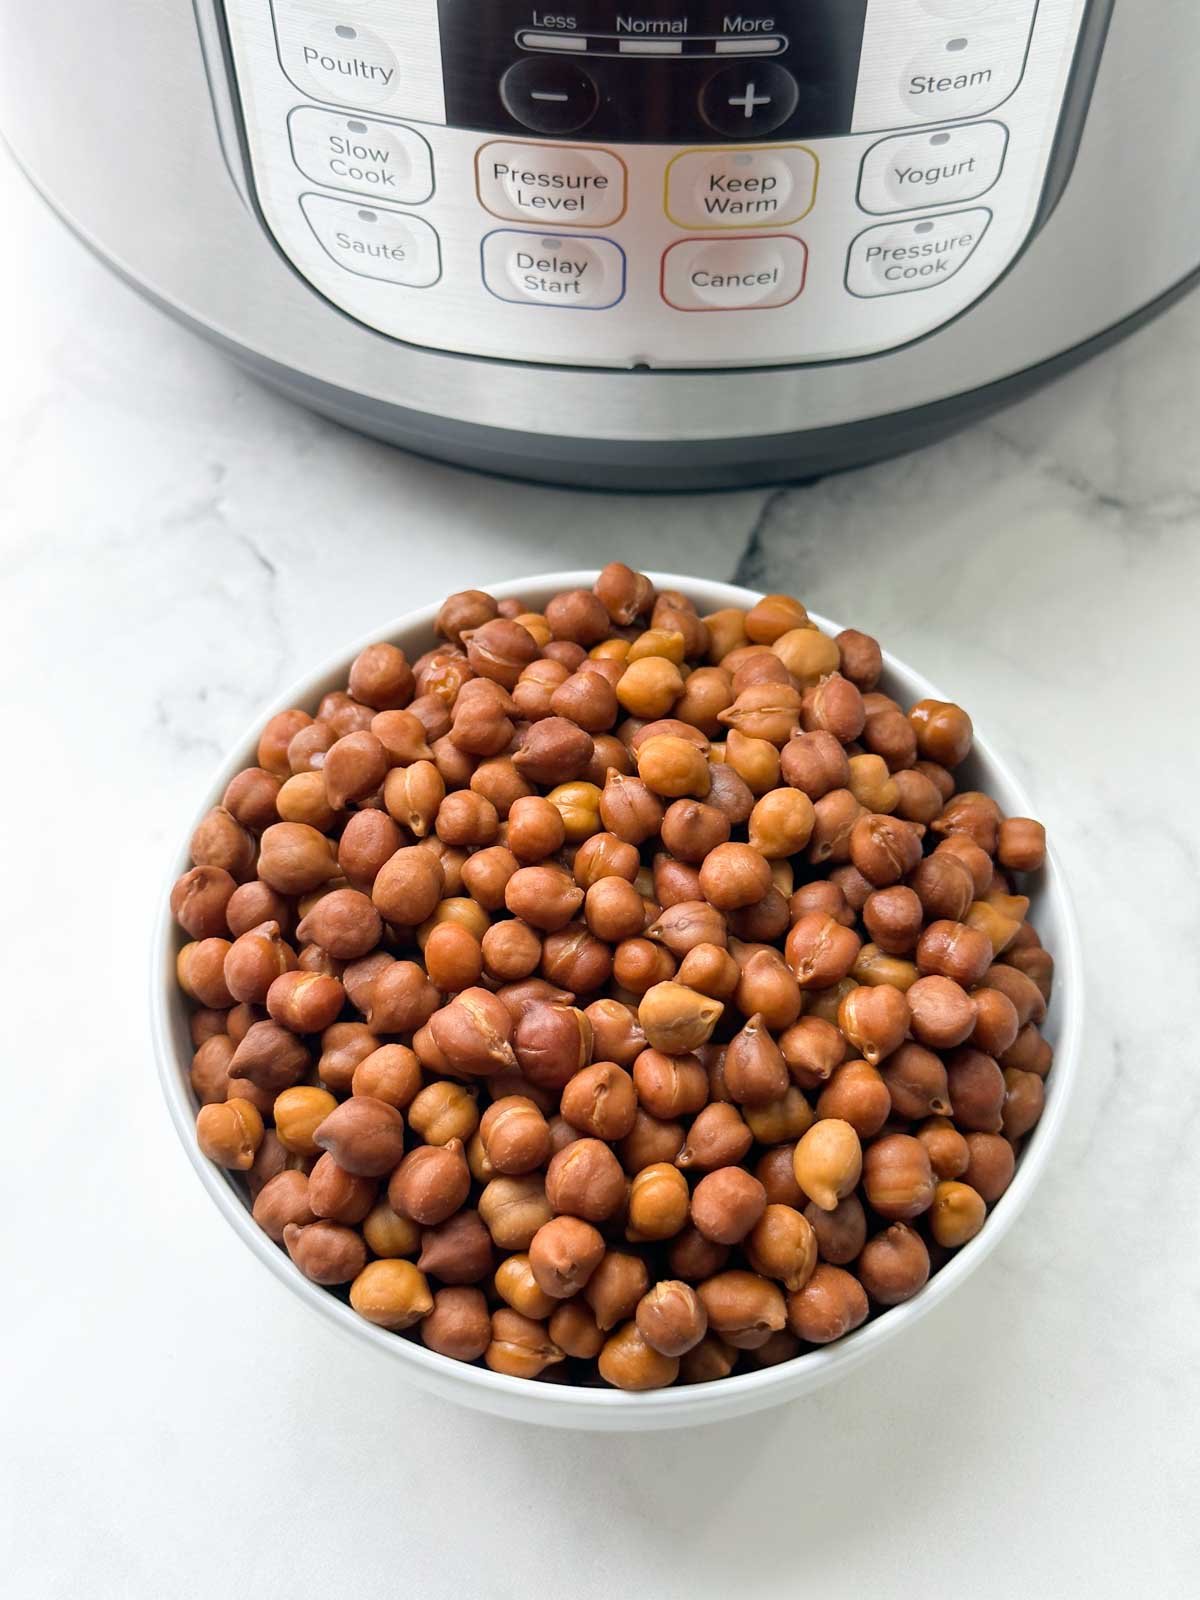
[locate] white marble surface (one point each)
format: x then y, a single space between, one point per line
175 545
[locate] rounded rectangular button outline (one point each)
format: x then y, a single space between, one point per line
540 144
384 122
390 211
548 305
300 88
750 238
951 127
740 149
917 288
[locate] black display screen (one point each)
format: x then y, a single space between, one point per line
655 73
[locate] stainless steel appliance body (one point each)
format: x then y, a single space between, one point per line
678 245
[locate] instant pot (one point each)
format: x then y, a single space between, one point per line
678 244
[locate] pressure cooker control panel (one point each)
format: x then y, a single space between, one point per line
672 185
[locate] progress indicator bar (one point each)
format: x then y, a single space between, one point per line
617 44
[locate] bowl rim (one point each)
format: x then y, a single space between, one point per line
574 1403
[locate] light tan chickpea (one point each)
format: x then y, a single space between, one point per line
957 1214
658 1203
443 1111
828 1162
517 1286
391 1293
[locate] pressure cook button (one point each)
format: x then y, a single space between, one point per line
734 274
930 169
741 188
580 273
898 257
964 73
748 100
548 95
375 158
374 242
335 61
551 183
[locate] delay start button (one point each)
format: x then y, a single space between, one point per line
899 257
579 273
739 187
573 185
751 274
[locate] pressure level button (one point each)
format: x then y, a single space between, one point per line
549 95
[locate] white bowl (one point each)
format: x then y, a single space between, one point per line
560 1405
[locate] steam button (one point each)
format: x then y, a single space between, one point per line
748 100
549 96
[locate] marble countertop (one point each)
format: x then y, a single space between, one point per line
176 544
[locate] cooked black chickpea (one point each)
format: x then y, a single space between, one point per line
677 1004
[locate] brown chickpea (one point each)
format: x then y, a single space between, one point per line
305 1002
691 828
815 764
585 1180
820 951
1029 1052
669 1086
894 1265
673 767
658 1203
977 1089
893 918
676 1019
773 616
743 1308
518 1288
709 970
734 875
943 731
230 1133
755 761
254 960
275 738
326 1252
453 958
728 792
281 1201
945 1146
942 1013
390 1073
553 750
874 1020
200 972
220 841
712 1358
828 1161
766 987
515 1135
535 829
603 856
916 1083
629 809
671 1318
520 1347
782 1245
573 1328
443 1111
252 904
996 1022
671 882
775 1171
459 1325
812 1048
616 1033
628 1362
409 886
808 654
364 1135
1021 844
431 1183
1024 1101
857 1094
919 798
614 910
831 1304
692 1257
601 1101
897 1177
552 1042
755 1071
991 1162
957 1214
389 1234
209 1072
199 901
514 1209
510 951
336 1195
944 886
719 1137
545 897
576 960
841 1232
650 1141
615 1288
726 1204
563 1254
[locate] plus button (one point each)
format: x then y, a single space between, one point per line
748 100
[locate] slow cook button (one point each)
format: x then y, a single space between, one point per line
734 274
578 273
374 242
376 158
740 187
930 169
551 183
965 72
331 60
898 257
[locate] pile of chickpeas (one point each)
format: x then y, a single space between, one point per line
616 994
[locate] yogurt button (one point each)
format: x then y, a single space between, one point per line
575 273
734 274
938 168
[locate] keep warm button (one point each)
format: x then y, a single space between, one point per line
580 273
898 257
761 187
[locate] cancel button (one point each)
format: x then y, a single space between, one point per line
734 274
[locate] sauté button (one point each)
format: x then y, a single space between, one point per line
570 185
741 188
549 95
899 257
966 72
924 169
578 273
375 242
377 158
734 274
748 100
335 61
